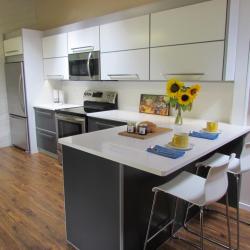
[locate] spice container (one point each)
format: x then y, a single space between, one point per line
142 129
131 127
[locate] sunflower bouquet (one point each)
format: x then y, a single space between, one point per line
181 97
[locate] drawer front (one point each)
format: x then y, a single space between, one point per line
100 124
46 141
45 119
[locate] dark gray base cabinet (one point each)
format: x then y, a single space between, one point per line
46 131
46 140
95 124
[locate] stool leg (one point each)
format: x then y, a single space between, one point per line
238 210
175 212
201 227
228 222
150 220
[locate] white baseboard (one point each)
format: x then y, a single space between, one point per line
245 206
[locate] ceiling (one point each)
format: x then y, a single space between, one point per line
48 14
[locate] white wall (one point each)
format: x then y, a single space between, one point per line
4 116
213 103
241 107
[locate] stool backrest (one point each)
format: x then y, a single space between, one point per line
216 183
245 155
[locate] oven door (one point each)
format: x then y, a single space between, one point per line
84 66
67 125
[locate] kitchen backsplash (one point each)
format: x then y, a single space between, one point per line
214 101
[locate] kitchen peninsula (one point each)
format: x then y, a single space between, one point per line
108 181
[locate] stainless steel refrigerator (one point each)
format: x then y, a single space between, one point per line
15 83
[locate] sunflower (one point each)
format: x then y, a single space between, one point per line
194 89
173 86
184 98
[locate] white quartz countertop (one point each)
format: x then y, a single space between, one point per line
55 106
125 116
132 152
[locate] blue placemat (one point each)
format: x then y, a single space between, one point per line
166 152
204 135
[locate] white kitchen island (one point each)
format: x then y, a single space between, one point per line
108 180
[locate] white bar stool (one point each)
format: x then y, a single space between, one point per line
196 190
237 167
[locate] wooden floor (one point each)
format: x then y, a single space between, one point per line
32 207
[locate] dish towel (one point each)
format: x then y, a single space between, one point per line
166 152
204 135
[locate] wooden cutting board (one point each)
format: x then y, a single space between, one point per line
158 131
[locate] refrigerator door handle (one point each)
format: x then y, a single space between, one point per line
20 93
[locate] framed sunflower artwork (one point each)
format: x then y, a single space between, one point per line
154 104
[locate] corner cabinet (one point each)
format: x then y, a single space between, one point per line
55 54
84 40
13 46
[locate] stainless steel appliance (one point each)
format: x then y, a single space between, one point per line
73 121
16 94
84 66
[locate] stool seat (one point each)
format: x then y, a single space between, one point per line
233 167
197 191
186 186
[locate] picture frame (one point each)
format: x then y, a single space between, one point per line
154 104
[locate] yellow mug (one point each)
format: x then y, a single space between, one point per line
212 126
180 140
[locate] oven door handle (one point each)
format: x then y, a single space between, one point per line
73 120
88 65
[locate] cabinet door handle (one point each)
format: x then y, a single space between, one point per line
100 124
188 75
11 51
124 76
82 49
56 77
46 135
44 113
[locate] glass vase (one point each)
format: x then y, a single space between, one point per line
178 119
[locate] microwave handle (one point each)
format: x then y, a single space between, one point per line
88 65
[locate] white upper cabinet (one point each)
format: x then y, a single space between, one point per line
84 40
201 61
13 46
125 65
125 35
55 46
194 23
56 68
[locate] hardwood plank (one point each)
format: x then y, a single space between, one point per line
32 207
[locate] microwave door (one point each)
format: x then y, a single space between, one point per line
79 69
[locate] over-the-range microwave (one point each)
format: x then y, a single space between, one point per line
84 66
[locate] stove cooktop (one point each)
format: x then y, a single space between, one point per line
79 111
